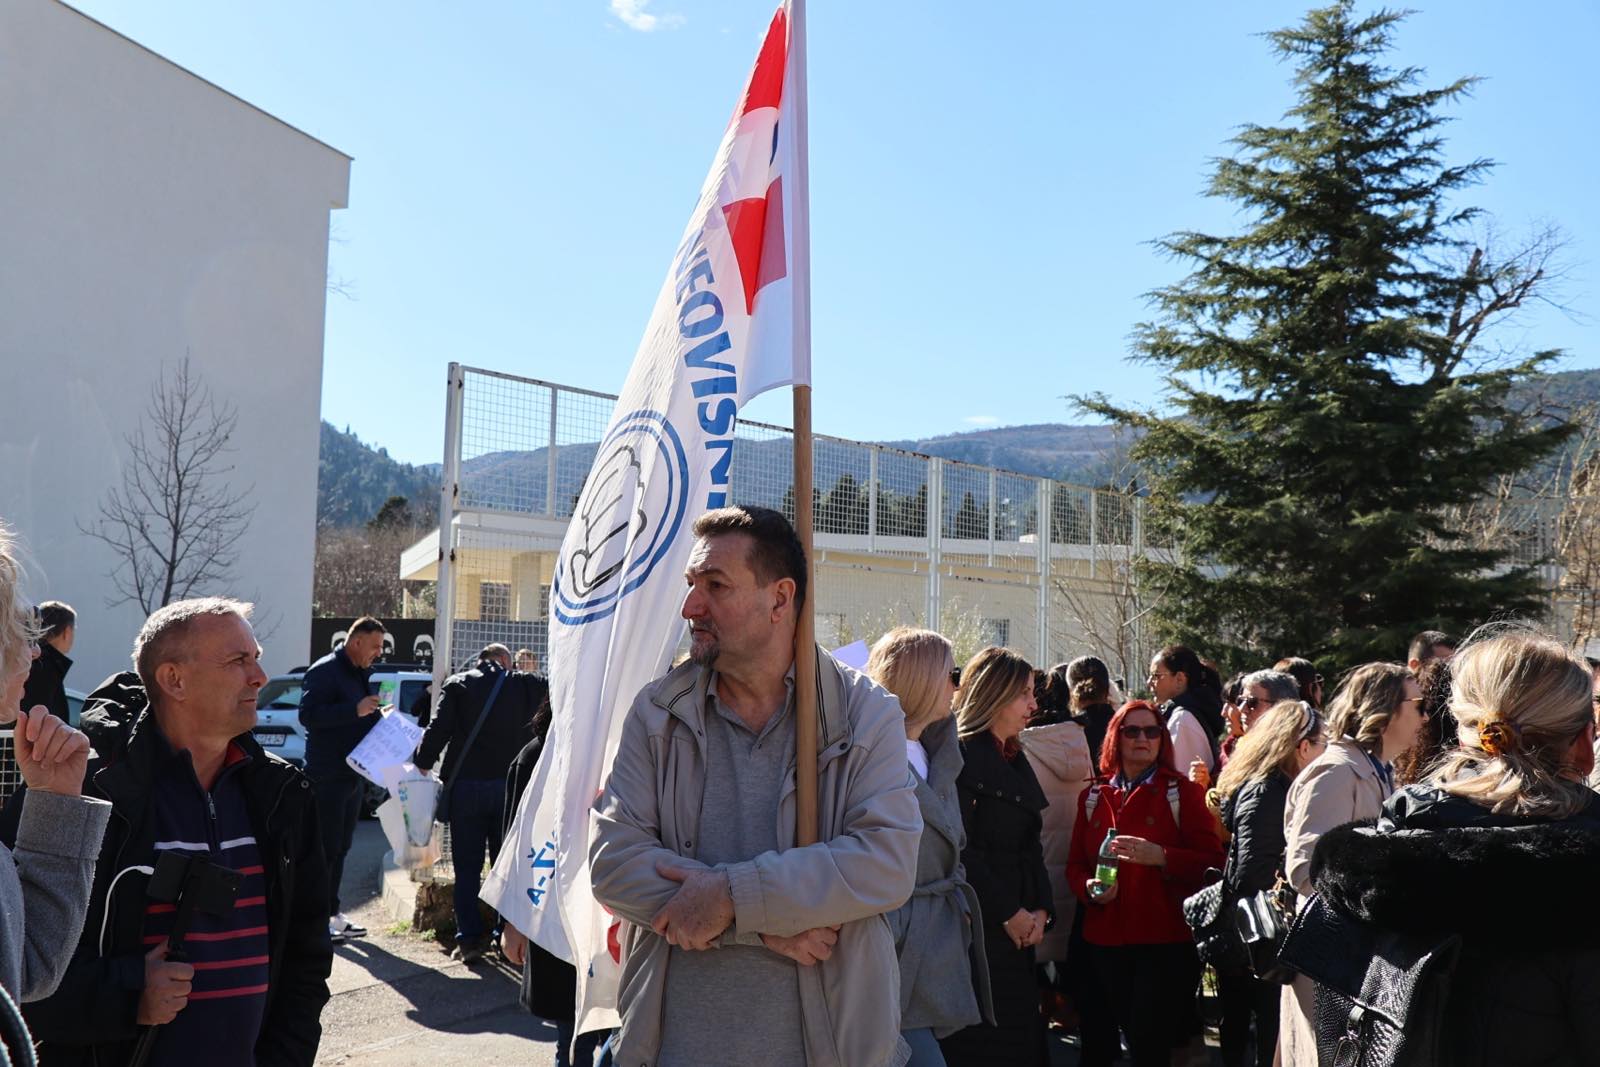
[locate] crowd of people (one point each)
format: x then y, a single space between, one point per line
1003 851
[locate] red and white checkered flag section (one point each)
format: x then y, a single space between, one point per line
725 328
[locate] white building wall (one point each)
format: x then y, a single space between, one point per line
146 215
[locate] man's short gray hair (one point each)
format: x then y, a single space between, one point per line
162 637
1279 685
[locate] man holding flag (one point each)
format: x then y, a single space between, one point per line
731 320
694 834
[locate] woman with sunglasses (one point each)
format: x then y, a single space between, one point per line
1253 791
944 978
1165 841
1001 806
1373 718
1258 692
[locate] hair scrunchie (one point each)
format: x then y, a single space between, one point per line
1498 737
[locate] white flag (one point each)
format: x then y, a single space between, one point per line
723 330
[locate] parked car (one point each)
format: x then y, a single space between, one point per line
278 726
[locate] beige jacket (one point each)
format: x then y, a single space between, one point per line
1337 787
864 866
1060 758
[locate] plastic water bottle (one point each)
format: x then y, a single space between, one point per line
1105 872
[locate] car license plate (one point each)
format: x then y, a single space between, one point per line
272 738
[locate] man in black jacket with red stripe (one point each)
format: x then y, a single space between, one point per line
192 779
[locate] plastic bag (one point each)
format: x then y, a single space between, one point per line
406 855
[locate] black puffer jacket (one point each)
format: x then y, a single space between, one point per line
1519 892
1254 818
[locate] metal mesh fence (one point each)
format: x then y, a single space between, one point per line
1002 558
1000 549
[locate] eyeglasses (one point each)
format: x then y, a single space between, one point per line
1156 676
1252 703
1149 733
955 677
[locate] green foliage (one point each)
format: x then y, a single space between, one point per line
970 522
1331 395
356 480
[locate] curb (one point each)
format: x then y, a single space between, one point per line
398 890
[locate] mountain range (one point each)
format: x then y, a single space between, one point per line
356 477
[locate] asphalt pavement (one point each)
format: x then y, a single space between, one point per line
398 998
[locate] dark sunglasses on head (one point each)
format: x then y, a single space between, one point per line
955 677
1149 733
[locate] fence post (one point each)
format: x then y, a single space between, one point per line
935 518
449 494
872 500
992 508
550 478
1042 540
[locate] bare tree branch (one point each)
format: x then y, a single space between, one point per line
174 522
1496 283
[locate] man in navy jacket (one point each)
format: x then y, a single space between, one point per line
337 709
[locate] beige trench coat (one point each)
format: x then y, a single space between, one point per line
1340 786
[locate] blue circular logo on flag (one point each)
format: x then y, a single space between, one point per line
626 519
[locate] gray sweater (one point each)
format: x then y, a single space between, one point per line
44 889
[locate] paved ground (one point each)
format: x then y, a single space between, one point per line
400 1001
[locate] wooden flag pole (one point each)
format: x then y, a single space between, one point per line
805 642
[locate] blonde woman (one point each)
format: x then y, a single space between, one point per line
45 879
1500 845
1001 806
944 980
1373 718
1253 792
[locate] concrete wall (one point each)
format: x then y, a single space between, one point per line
146 215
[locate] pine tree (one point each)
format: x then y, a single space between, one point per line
843 509
971 522
1331 396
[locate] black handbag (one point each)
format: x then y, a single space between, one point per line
1209 915
1262 920
441 808
1380 995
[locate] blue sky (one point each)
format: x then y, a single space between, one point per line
985 179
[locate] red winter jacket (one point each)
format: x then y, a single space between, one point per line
1148 906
